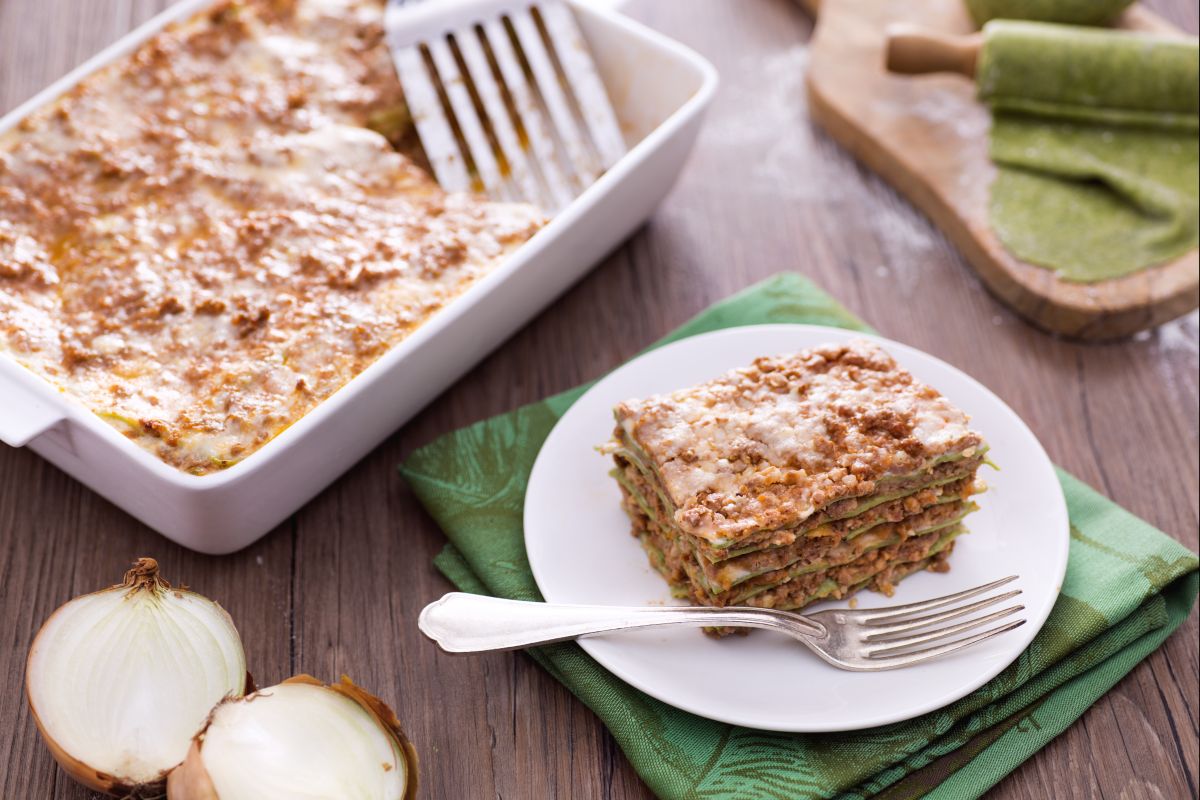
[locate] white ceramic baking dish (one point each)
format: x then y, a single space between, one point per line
659 89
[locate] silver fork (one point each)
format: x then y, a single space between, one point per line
862 640
505 97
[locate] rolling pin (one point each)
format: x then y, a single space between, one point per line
1075 12
1065 72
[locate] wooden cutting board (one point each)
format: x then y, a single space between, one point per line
928 137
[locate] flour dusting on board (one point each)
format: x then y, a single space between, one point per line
904 235
1176 345
763 111
784 73
773 123
1181 335
944 109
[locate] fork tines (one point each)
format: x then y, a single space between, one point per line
505 97
895 633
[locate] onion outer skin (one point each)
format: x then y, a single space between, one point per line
190 780
95 779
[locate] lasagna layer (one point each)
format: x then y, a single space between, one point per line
896 488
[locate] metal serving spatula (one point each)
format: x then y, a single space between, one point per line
505 97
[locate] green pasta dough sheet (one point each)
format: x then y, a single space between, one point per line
1094 137
1089 202
1066 72
1075 12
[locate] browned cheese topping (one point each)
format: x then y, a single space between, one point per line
766 446
208 238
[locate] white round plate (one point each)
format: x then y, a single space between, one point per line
581 551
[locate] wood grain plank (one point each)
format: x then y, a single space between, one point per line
337 588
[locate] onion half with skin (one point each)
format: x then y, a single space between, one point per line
300 739
119 681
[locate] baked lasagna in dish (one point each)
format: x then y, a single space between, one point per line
207 238
796 479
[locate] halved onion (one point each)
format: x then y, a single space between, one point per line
302 738
119 681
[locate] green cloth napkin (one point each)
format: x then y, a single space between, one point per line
1128 586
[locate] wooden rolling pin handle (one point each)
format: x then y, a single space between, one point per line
813 7
913 51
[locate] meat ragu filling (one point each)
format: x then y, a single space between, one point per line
209 237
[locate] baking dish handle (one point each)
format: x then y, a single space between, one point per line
23 415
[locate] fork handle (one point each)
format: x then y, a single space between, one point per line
472 623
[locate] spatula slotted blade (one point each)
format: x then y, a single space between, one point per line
505 97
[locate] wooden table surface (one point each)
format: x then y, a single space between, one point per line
337 588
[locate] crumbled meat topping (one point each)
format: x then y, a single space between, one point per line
768 445
206 239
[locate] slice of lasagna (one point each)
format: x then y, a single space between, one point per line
799 478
